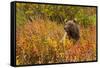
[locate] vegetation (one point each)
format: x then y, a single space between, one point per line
41 27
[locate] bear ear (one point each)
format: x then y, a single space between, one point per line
75 20
65 20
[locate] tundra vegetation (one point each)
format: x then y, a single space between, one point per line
40 27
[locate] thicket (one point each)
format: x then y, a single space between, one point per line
27 12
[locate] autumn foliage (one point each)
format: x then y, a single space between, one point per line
38 42
40 28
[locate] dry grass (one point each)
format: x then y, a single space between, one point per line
38 43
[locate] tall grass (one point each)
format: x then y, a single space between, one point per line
38 42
